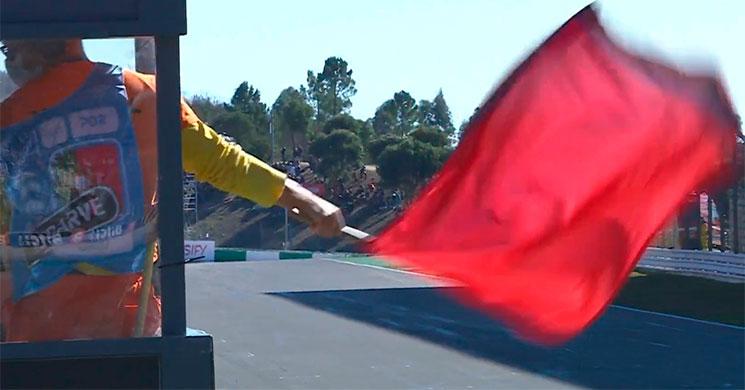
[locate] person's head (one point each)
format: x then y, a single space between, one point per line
26 60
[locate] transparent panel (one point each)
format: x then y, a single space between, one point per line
78 169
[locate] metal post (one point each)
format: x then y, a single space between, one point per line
287 232
170 186
710 224
271 134
145 55
734 226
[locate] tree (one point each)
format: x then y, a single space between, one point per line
406 112
426 113
331 90
397 115
243 96
436 113
462 130
338 152
409 163
365 132
442 115
431 136
343 121
384 120
247 100
377 145
291 115
245 132
465 125
206 108
347 122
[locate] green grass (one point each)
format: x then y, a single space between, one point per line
368 260
662 292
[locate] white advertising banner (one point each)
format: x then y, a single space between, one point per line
197 249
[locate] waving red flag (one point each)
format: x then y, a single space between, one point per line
562 180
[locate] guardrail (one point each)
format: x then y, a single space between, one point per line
713 265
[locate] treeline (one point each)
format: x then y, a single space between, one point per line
406 139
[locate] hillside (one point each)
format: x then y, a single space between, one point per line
235 222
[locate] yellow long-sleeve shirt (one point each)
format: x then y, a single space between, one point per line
226 166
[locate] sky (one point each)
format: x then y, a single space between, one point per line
464 47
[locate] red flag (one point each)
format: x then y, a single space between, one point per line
562 180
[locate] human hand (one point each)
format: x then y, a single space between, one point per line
324 218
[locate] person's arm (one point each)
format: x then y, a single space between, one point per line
226 166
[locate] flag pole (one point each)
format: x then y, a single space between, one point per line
348 230
356 233
145 63
147 282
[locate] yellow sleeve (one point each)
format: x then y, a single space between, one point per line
226 166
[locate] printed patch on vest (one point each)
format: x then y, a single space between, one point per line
95 121
53 132
81 167
93 208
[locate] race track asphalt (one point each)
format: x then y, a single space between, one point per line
324 324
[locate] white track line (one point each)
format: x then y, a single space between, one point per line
418 274
379 267
614 306
679 317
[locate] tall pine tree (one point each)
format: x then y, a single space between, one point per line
291 117
331 90
247 100
443 117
